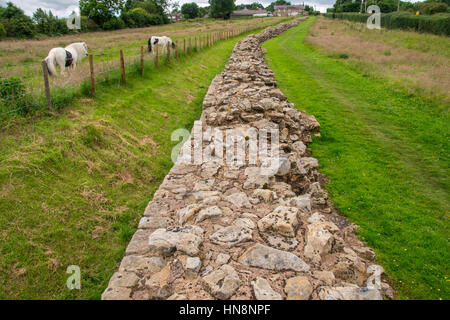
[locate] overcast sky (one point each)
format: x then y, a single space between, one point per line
63 8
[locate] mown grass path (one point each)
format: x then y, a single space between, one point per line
74 185
386 153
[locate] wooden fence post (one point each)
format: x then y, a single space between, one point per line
184 46
142 61
190 45
122 67
176 49
168 53
46 84
91 70
156 55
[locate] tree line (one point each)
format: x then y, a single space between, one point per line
427 7
95 15
115 14
224 8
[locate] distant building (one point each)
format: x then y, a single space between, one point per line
176 16
250 13
287 10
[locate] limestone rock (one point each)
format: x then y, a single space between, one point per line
116 294
255 179
177 296
208 213
239 199
349 293
149 265
158 285
319 240
303 202
185 239
326 277
222 258
298 288
263 290
186 213
273 259
222 283
240 231
209 169
123 279
264 194
155 222
193 265
283 220
282 243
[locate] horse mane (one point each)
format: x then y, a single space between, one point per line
77 46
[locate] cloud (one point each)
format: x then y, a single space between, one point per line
61 8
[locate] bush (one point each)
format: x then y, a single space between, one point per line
88 25
114 24
437 24
433 7
139 18
20 27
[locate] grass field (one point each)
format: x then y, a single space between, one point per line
419 63
385 149
23 58
73 186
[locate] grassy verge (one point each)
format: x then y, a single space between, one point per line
73 186
420 63
386 153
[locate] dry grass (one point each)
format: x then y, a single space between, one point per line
420 63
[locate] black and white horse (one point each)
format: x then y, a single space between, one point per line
66 57
162 42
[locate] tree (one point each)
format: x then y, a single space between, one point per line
221 8
203 11
11 11
155 8
189 10
16 23
271 7
433 7
252 6
47 23
101 10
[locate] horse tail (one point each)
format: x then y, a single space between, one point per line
173 44
150 44
50 61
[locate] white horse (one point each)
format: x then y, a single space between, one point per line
66 57
162 42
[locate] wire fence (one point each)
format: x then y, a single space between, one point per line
14 96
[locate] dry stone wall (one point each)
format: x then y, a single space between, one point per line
219 231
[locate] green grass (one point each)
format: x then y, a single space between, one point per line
386 153
74 185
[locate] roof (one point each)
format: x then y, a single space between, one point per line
247 12
281 7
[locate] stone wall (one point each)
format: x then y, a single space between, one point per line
219 231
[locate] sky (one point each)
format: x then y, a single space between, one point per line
63 8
